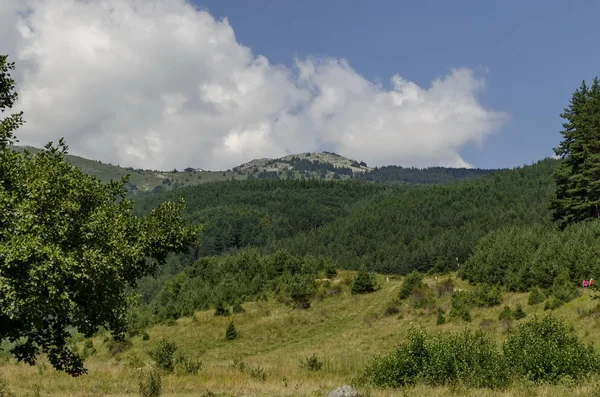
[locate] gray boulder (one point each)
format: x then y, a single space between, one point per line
344 391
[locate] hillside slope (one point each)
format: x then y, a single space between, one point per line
344 331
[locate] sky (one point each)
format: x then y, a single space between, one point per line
165 84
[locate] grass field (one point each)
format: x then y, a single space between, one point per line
344 331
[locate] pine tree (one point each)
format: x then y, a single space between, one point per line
231 332
364 282
577 176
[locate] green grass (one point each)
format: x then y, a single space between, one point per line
344 331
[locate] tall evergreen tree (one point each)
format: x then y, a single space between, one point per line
577 177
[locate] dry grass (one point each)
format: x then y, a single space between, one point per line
344 331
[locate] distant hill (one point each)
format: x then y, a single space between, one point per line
319 166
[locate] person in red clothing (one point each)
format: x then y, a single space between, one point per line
584 283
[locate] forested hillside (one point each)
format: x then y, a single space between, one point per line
255 213
432 227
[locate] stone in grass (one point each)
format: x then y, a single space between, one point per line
344 391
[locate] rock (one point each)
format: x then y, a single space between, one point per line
344 391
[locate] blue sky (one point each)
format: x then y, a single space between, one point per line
532 54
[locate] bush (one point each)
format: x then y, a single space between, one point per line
258 373
231 332
545 349
391 310
330 270
440 316
519 313
563 289
221 310
461 304
311 363
150 383
553 303
299 290
237 308
535 296
506 314
422 298
411 283
163 353
486 295
364 282
402 366
188 366
467 357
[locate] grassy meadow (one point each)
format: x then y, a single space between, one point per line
344 331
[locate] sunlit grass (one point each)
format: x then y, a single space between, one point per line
344 331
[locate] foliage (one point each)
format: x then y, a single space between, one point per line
467 357
520 258
440 316
410 284
330 270
364 282
70 247
486 295
231 332
535 296
312 363
519 313
461 304
506 314
577 177
425 228
546 349
150 383
187 365
163 354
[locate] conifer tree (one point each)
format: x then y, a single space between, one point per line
577 177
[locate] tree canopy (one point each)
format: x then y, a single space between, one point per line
577 196
70 246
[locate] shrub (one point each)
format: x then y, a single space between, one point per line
461 304
486 295
391 310
221 310
535 296
519 313
299 289
467 357
563 289
237 308
330 270
146 336
506 314
150 383
423 299
411 283
402 366
188 366
440 316
231 332
553 303
364 282
311 363
258 373
162 354
545 349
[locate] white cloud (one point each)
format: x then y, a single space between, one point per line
159 84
